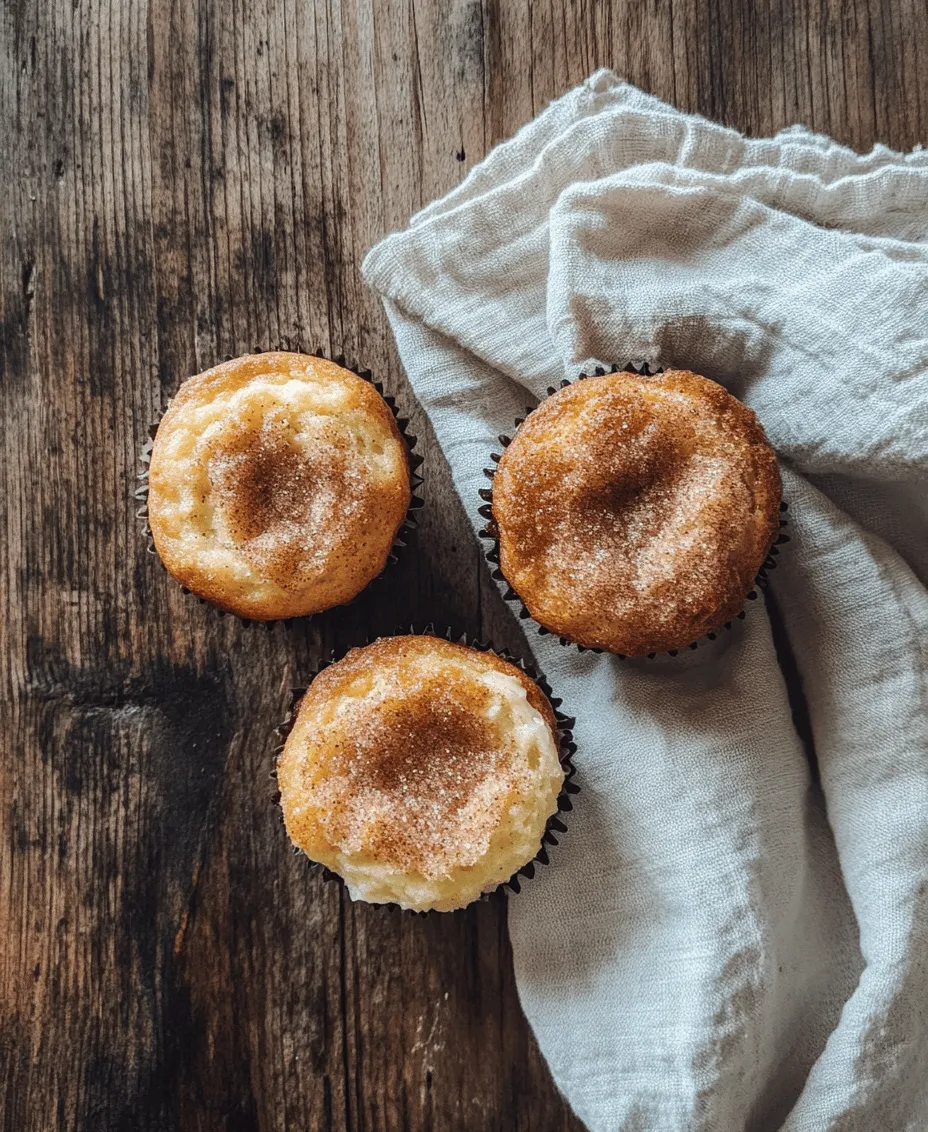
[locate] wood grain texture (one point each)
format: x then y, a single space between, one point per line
185 181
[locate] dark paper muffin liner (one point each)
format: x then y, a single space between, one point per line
491 533
409 523
567 748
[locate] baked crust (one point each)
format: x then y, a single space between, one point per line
421 771
634 512
277 485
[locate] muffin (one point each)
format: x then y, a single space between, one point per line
633 512
277 485
421 771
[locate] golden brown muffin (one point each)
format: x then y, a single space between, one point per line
422 772
278 483
634 512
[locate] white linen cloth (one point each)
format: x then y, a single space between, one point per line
719 943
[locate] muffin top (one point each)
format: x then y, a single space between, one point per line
421 771
277 485
634 512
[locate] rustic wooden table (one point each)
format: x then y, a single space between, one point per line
184 181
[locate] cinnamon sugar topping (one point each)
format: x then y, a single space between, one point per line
278 483
634 512
425 765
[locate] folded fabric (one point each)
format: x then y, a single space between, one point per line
724 940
